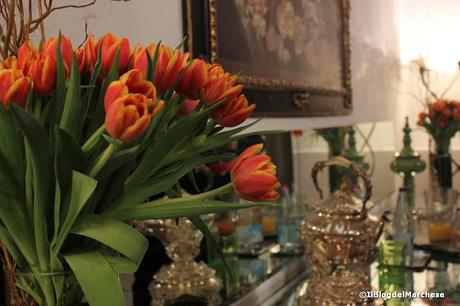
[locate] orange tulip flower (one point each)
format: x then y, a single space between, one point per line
233 112
221 85
110 45
14 87
130 82
139 60
187 107
87 56
129 116
194 79
39 67
49 50
10 62
254 176
170 64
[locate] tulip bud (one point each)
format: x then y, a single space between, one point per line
49 50
221 85
139 59
128 117
110 44
169 66
254 176
233 112
130 82
14 87
87 56
40 68
194 79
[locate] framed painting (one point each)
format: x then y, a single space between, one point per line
292 55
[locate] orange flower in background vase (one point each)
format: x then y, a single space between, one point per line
49 50
254 176
233 112
39 67
130 82
221 85
438 106
14 87
109 45
421 118
87 56
129 116
443 122
194 79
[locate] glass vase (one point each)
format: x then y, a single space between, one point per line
440 167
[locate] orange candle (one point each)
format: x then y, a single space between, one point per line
440 231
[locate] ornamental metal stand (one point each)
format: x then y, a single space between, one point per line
407 164
184 276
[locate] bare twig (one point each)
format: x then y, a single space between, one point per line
423 72
18 19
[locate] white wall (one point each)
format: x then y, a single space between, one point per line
141 21
428 29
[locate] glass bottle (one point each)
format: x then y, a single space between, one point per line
403 225
289 222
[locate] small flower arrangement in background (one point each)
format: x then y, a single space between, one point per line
442 122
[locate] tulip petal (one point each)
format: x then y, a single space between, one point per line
254 185
250 151
115 90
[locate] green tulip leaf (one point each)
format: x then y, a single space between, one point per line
82 188
117 235
179 208
41 159
71 115
11 155
59 96
97 279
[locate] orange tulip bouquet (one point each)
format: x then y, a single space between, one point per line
442 122
88 138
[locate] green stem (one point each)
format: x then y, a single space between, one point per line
103 159
38 108
92 140
197 197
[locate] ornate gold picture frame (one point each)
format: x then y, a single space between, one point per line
292 55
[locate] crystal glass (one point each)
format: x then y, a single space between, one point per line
440 212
